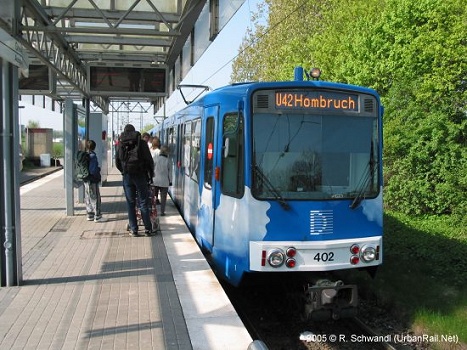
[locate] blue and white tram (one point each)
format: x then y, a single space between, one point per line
283 177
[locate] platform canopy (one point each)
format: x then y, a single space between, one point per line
93 47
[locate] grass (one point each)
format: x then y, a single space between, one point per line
423 280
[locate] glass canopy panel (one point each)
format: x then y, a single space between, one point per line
116 48
163 6
227 9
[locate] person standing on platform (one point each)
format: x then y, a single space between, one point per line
135 163
147 138
155 149
92 195
162 180
155 146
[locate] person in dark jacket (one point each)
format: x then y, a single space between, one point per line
92 195
135 162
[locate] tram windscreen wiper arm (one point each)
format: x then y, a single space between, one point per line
365 181
357 200
271 188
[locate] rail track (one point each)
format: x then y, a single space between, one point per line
269 318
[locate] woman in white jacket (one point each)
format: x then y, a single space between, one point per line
162 180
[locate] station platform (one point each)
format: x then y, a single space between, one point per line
90 285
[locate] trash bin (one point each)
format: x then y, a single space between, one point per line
45 160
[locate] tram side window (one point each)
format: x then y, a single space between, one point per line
171 143
186 147
232 160
191 150
209 152
195 149
170 140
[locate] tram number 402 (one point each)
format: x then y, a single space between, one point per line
324 257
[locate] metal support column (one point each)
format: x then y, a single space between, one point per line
11 266
70 130
12 58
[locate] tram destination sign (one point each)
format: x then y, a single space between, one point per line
317 100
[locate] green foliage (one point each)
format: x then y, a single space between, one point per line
58 150
414 53
428 239
32 124
147 127
425 261
423 280
425 101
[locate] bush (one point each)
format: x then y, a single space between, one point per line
57 150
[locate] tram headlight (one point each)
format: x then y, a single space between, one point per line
315 73
368 253
276 258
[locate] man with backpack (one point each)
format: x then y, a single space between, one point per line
89 172
135 162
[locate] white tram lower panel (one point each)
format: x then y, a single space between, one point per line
316 255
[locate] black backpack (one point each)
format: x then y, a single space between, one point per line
82 166
131 159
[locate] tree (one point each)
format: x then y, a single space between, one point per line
425 96
414 53
32 124
247 65
147 127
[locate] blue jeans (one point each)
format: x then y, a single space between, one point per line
137 185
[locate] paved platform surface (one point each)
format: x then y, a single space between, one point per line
90 285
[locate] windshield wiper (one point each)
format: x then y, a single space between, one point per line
271 188
366 179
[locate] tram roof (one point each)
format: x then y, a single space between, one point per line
244 87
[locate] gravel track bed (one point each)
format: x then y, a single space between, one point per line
272 318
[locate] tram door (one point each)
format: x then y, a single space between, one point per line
210 186
179 168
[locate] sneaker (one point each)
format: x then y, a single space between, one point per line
149 233
90 218
99 219
133 233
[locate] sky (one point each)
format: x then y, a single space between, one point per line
45 117
212 69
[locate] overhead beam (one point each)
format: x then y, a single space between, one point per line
54 51
142 56
90 15
117 40
103 30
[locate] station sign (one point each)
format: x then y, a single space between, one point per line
112 80
40 80
12 51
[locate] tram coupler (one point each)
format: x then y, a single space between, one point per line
330 300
